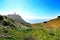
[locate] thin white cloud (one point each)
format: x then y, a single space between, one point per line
36 17
25 15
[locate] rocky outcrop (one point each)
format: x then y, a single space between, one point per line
18 19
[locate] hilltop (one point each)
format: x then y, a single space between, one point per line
18 19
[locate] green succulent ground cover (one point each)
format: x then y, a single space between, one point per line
28 34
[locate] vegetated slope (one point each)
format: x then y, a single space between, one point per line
51 24
12 30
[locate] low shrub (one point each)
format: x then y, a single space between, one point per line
45 22
1 18
5 23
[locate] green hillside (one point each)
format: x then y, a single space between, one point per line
12 30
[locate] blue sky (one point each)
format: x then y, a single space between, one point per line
31 9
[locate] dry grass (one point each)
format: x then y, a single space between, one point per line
52 24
